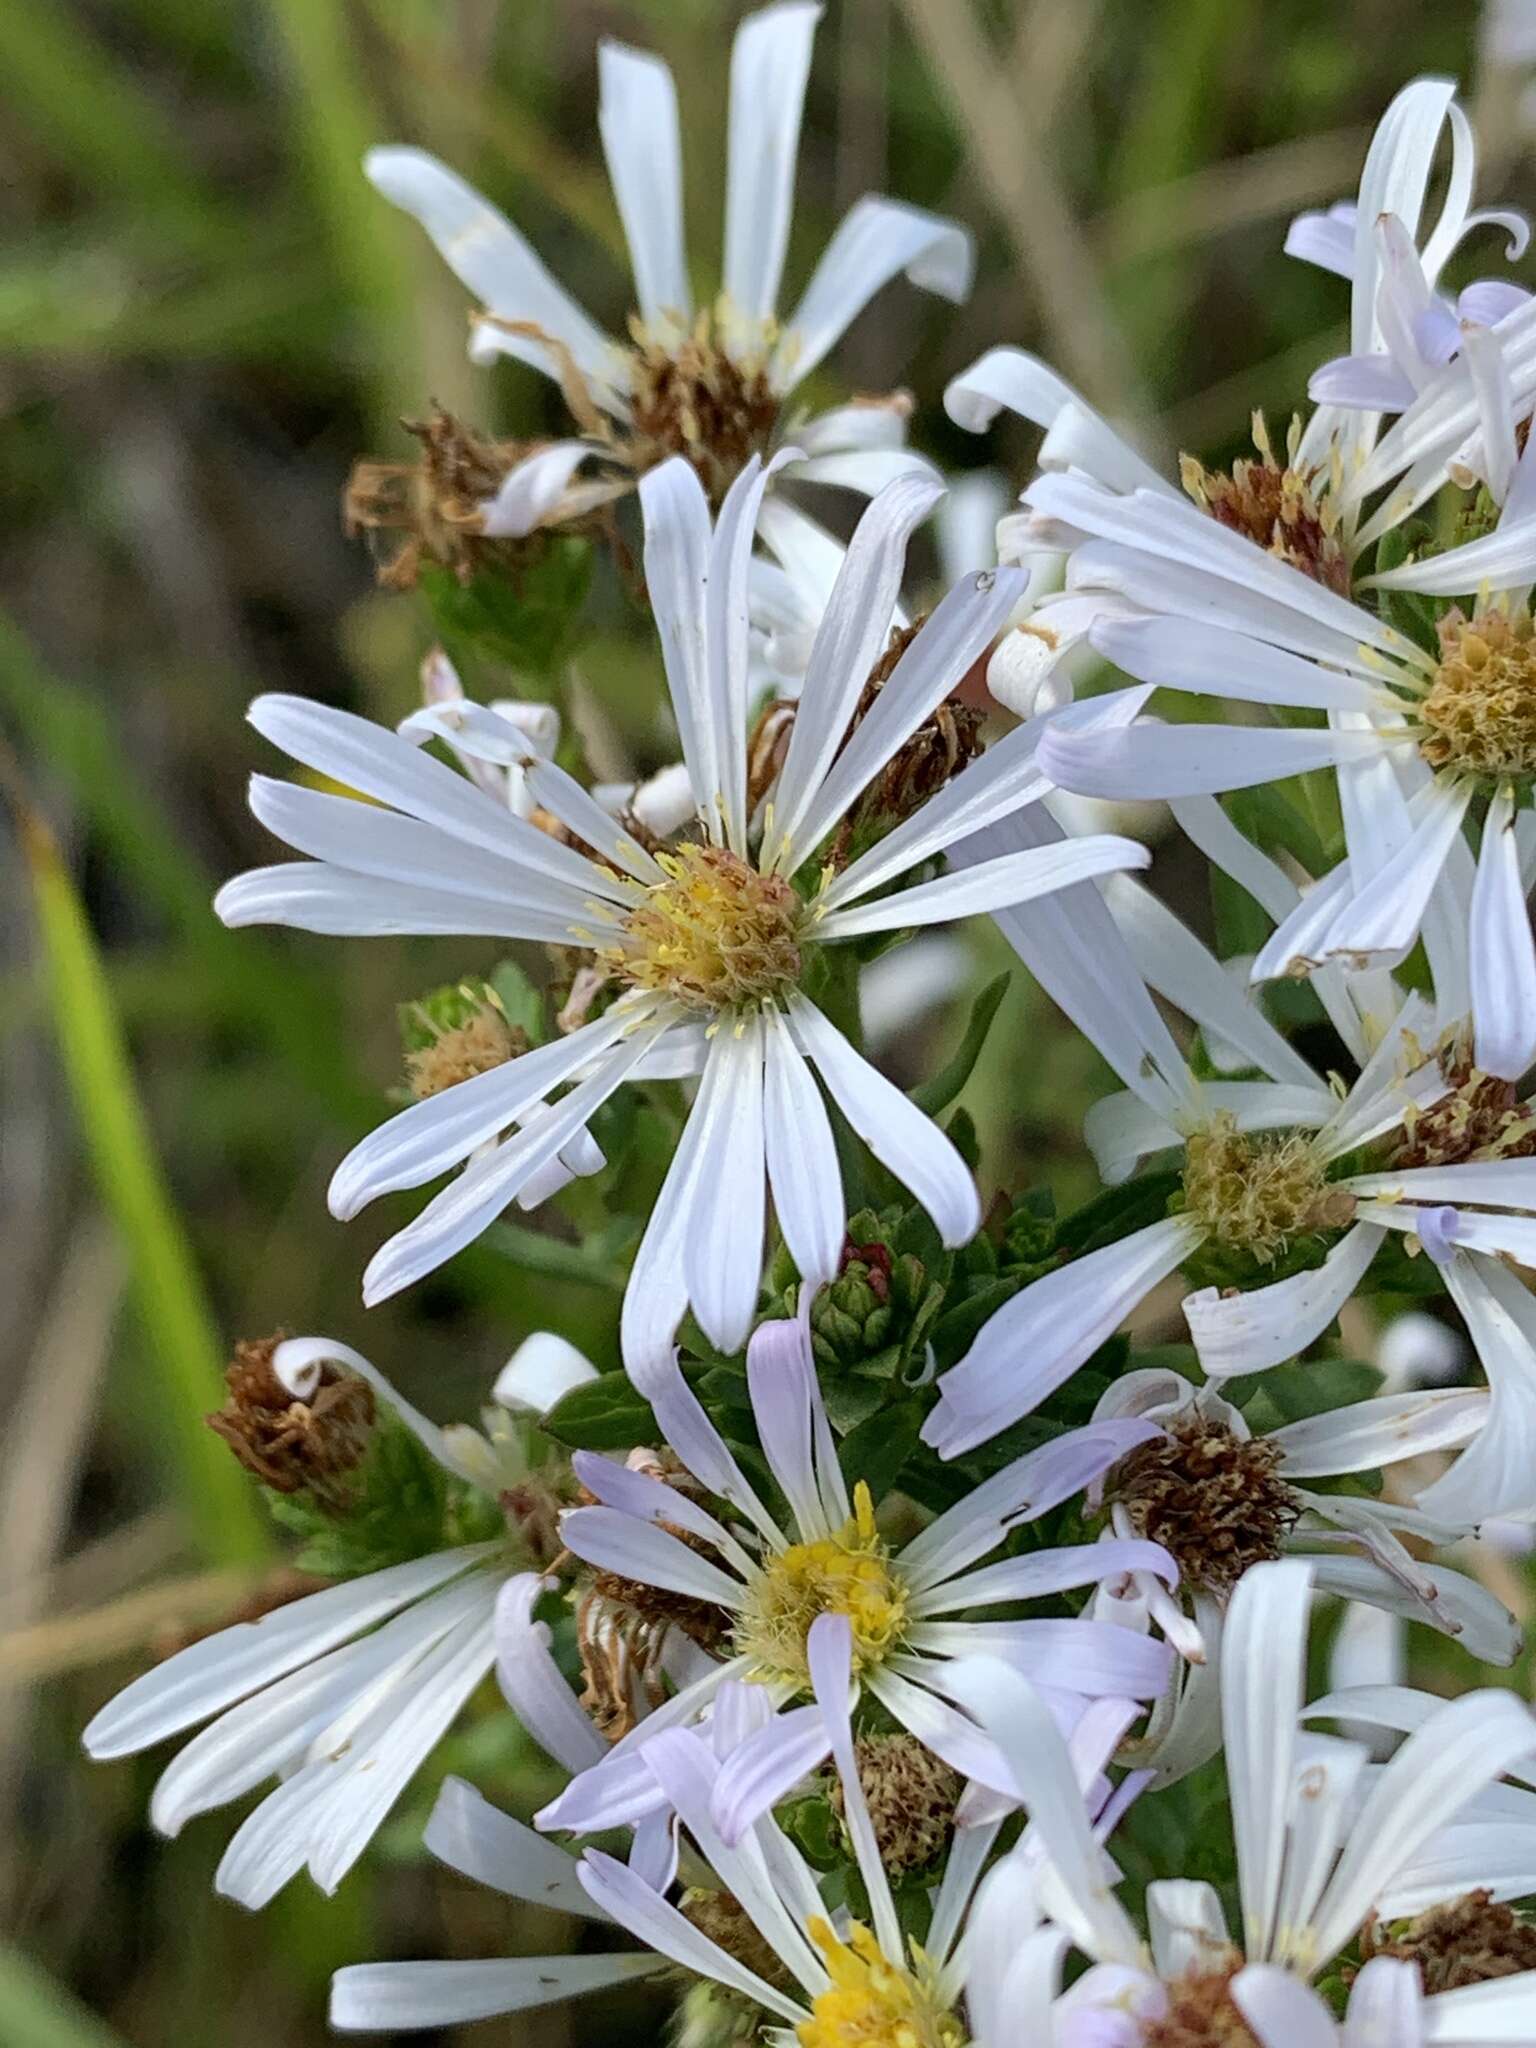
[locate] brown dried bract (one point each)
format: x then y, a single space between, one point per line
1470 1940
295 1446
1213 1499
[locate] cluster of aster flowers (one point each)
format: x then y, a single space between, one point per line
927 1652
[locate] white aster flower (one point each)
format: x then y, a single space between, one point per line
1264 1165
1304 505
1222 1499
710 944
757 1926
710 384
1325 1841
345 1693
770 1581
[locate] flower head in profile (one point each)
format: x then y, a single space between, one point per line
1327 1844
702 953
771 1579
709 382
343 1693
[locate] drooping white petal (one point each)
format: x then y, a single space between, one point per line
875 239
532 1682
901 1136
1249 1332
477 1839
764 1769
727 627
1186 1925
770 62
1008 378
541 1371
1495 1475
1500 560
1264 1659
637 119
677 548
487 254
531 490
723 1236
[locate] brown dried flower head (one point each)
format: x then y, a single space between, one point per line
1213 1499
1280 507
295 1446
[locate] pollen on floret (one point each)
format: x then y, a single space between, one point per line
848 1573
872 2002
1259 1192
1281 507
481 1038
1478 716
716 935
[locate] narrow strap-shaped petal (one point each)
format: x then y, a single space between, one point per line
1382 916
1249 1332
901 1136
1009 378
384 1998
1283 2011
770 62
617 1542
875 239
637 119
792 1425
991 885
477 1839
852 635
677 566
727 625
532 1682
1501 955
1367 1434
1264 1660
722 1241
313 896
486 253
1182 654
801 1155
766 1767
829 1654
1146 761
1494 1475
1047 1571
963 624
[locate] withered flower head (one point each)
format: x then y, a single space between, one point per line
1213 1499
1470 1940
1279 506
295 1446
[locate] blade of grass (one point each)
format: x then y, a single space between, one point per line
37 2010
183 1340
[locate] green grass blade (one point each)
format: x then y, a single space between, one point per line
38 2011
182 1338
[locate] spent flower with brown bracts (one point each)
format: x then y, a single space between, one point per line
709 383
295 1442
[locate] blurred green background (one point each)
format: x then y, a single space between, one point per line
205 315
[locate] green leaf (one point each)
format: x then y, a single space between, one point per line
877 1449
1118 1211
527 619
938 1093
184 1350
850 1402
606 1414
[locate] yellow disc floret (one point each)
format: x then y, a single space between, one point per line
716 934
1479 715
1259 1192
873 2003
848 1573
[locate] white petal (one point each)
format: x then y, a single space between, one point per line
1186 1925
541 1371
829 1654
477 1839
1190 760
425 1140
1495 1475
310 896
1036 1341
222 1668
770 61
1282 2011
613 1541
961 625
723 1236
1182 654
991 885
487 254
1264 1660
1500 2014
1501 560
531 490
1008 378
854 629
382 1998
677 544
532 1682
875 239
637 119
1367 1434
764 1769
727 626
1264 1326
1386 2005
792 1426
801 1155
1047 1571
901 1136
1502 956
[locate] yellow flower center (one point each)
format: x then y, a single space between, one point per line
1258 1193
1479 715
872 2003
717 934
849 1573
